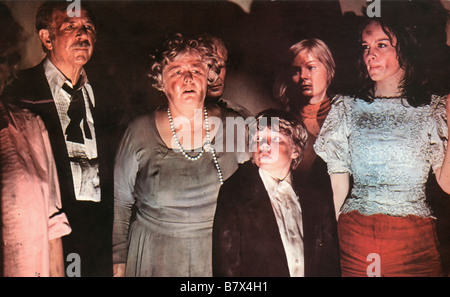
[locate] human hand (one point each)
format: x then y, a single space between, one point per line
119 270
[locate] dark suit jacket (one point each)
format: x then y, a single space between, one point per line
246 238
91 222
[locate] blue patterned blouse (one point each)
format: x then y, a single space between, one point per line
389 147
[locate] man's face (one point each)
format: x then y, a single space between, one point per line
73 39
216 90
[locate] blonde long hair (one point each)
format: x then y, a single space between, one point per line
320 51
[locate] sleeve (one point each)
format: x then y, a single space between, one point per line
226 259
332 144
58 224
439 132
231 141
125 170
329 257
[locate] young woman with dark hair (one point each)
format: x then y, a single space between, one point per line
387 136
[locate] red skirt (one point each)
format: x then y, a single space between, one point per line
382 245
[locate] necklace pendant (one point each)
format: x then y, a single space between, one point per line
208 147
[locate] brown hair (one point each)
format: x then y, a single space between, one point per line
285 123
419 55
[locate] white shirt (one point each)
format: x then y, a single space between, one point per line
288 214
85 172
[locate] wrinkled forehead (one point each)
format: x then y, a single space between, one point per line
190 57
63 16
222 52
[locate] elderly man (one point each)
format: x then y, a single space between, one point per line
216 90
80 132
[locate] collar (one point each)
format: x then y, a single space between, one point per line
271 183
57 79
316 111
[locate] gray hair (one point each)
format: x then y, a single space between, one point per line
176 45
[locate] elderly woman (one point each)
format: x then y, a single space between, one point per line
304 89
387 136
170 166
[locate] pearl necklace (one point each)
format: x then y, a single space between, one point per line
207 147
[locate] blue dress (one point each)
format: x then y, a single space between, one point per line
389 147
174 201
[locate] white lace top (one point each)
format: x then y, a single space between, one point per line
389 147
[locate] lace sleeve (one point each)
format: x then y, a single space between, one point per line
439 133
332 143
